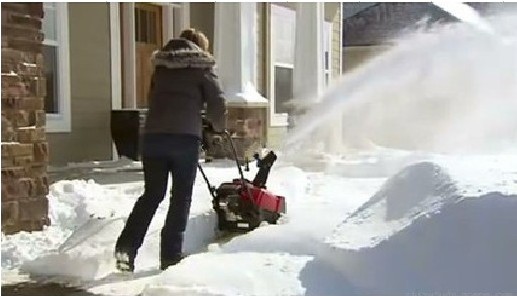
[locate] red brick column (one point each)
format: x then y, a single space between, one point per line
248 127
24 145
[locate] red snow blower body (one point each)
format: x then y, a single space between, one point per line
241 204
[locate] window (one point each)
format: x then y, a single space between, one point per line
56 66
50 48
146 21
283 32
327 51
51 76
283 87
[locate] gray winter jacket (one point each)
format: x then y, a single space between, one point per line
183 83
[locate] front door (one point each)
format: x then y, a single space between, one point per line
148 38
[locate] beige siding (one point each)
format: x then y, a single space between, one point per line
262 59
275 136
261 48
202 18
336 43
90 87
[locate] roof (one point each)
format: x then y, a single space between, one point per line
376 23
352 8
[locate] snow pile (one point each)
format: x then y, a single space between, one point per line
447 226
444 225
483 174
417 190
86 220
232 274
378 162
280 255
78 210
274 259
71 204
324 201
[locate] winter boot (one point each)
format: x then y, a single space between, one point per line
166 263
171 248
125 262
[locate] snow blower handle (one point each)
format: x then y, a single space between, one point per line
229 136
211 188
209 128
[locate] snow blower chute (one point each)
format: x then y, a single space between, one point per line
241 204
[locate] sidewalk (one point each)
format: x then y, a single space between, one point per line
102 172
37 289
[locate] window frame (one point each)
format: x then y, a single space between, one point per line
284 66
61 122
281 119
327 76
276 119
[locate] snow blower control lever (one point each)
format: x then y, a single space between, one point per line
241 204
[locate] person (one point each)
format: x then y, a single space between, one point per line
183 82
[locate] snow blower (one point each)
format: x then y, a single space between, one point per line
242 205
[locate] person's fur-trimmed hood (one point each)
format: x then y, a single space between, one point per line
181 53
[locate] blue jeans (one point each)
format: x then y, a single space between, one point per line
163 154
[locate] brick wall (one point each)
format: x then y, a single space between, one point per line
248 127
24 145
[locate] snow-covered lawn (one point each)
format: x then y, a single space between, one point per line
416 224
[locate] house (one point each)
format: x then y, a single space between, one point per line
76 62
95 67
